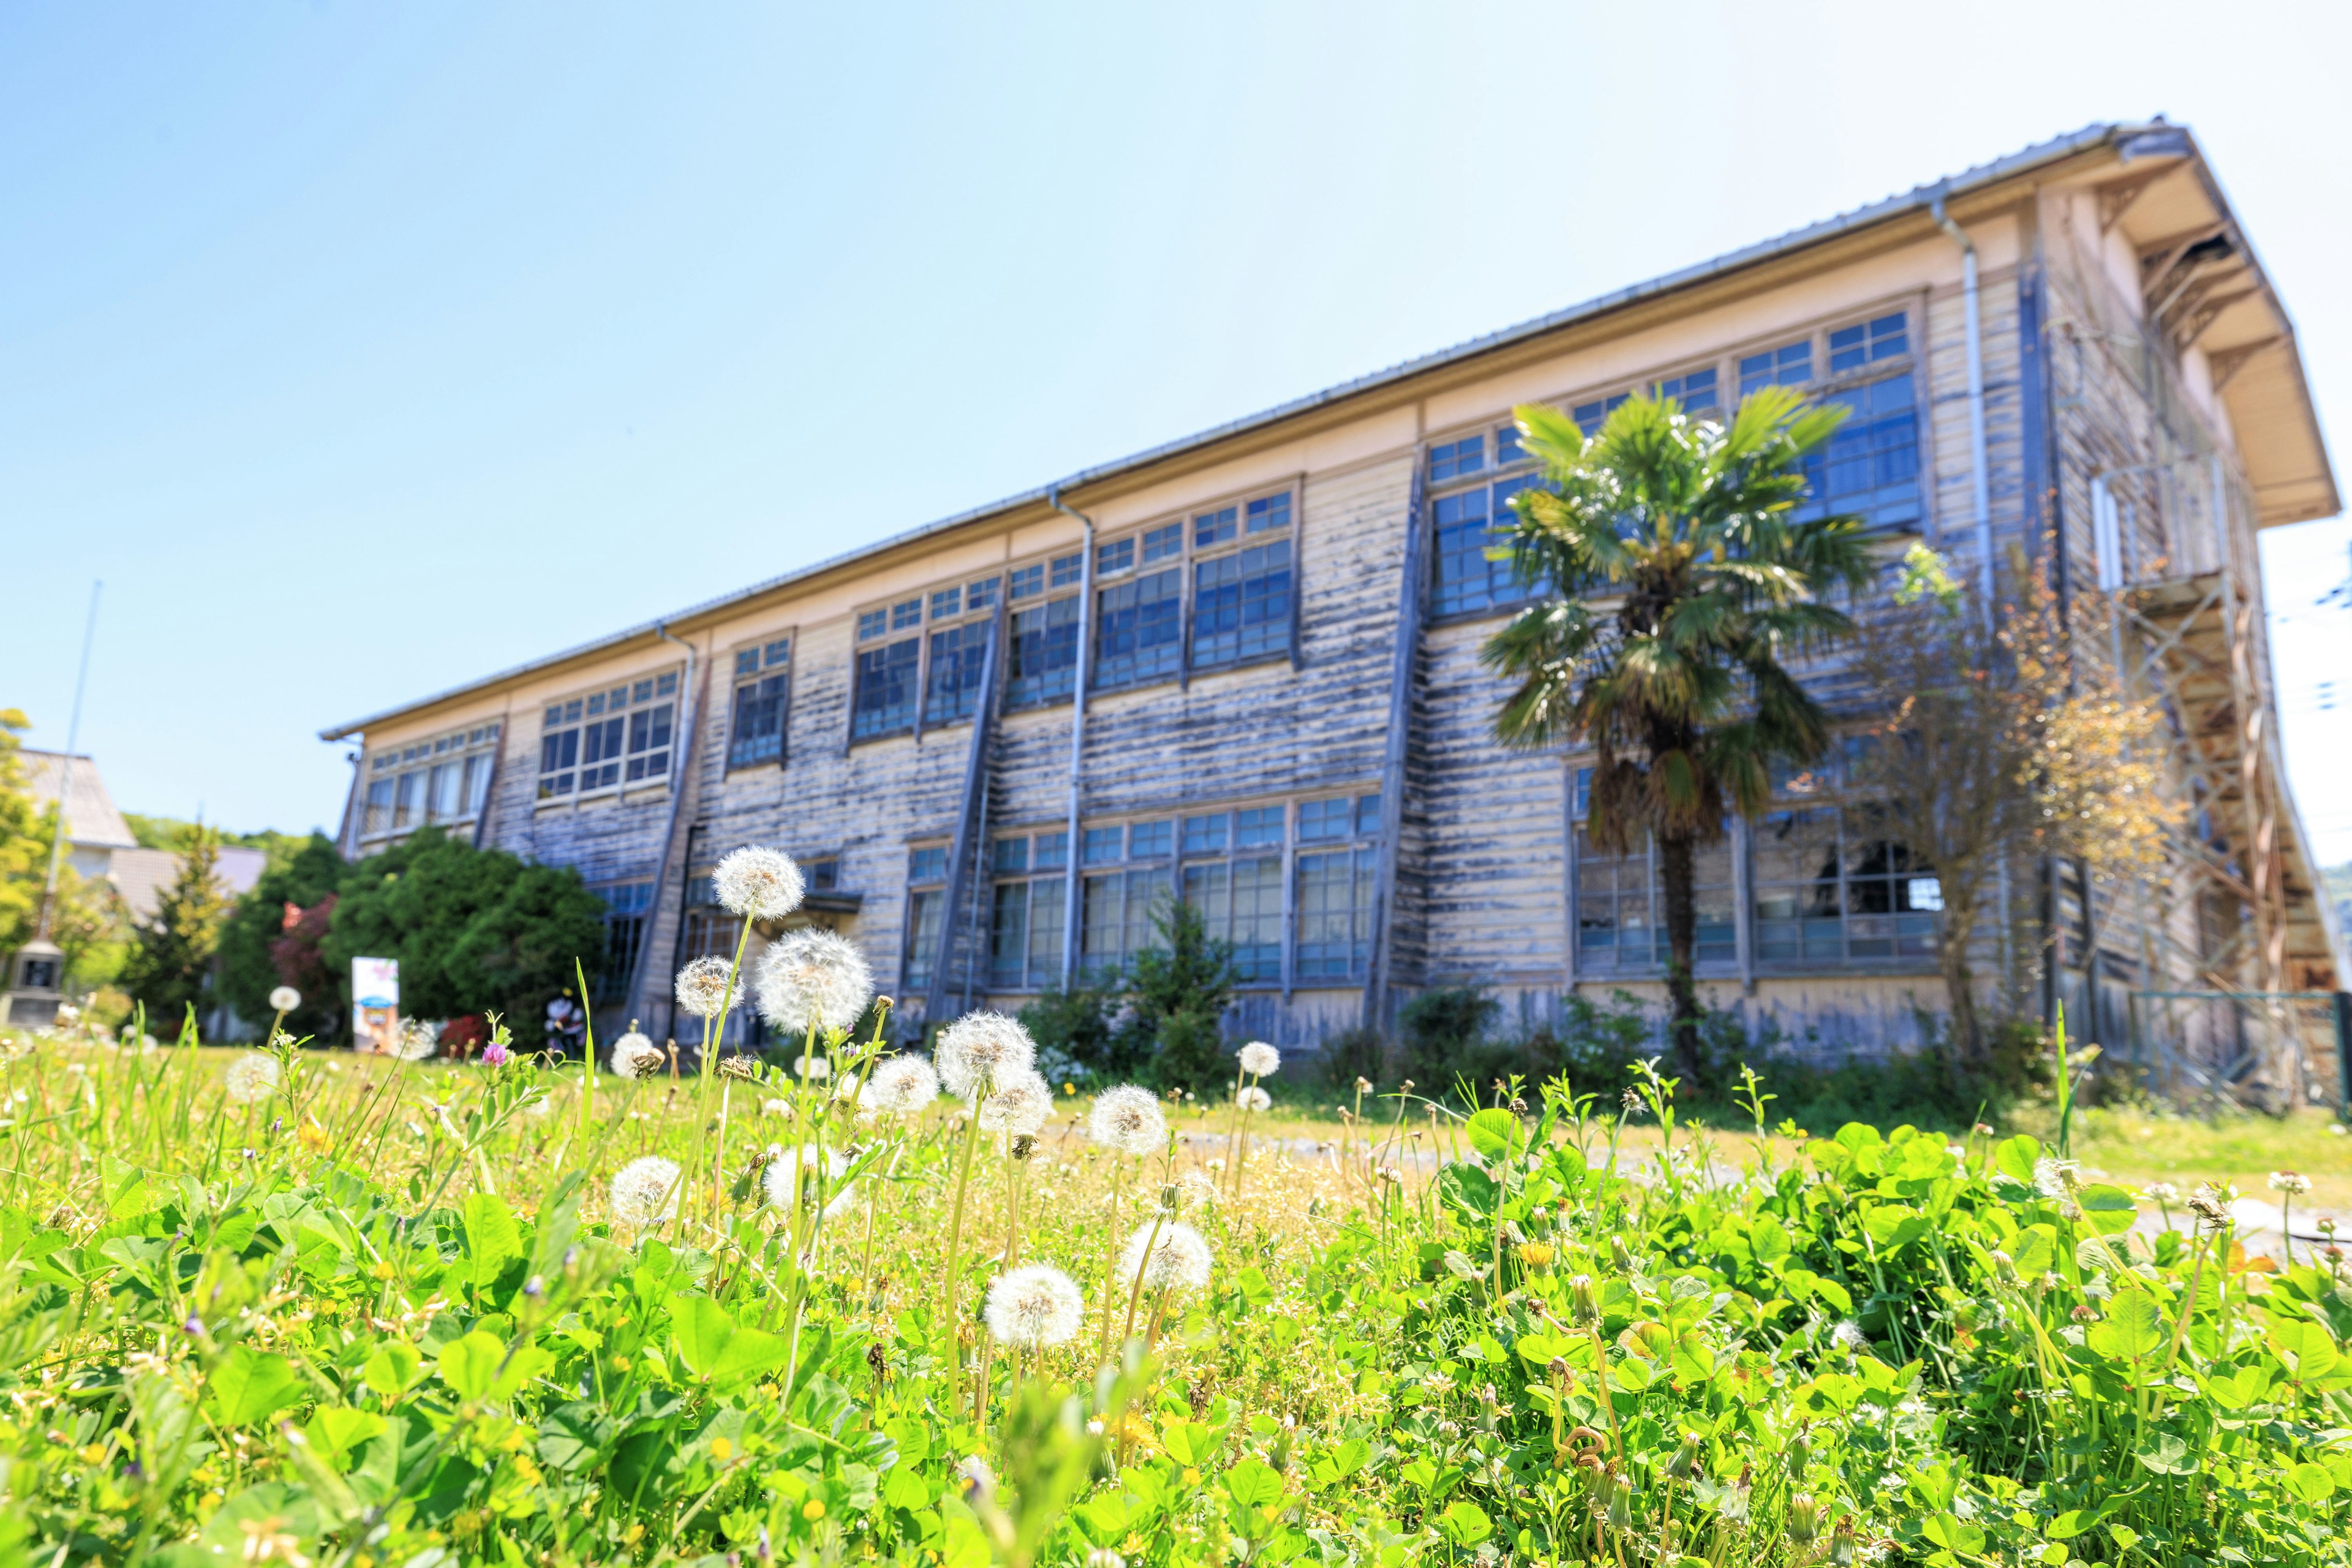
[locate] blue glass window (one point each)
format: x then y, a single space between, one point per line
1104 846
927 865
747 661
1468 525
1012 855
1049 851
1871 465
907 615
1067 569
778 652
1042 661
872 623
951 689
1029 582
1867 342
1116 556
1451 459
1205 835
1215 527
757 735
980 594
1162 542
1695 391
1241 604
1138 624
1367 815
1259 828
1267 512
1590 416
1508 445
1150 840
886 688
946 603
1322 821
1335 914
1790 364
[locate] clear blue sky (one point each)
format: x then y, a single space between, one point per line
366 348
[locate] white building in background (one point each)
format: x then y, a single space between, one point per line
99 844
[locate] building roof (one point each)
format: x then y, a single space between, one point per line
2164 145
142 875
91 819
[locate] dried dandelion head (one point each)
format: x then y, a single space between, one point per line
645 1191
814 1173
634 1055
1018 1105
418 1040
757 883
252 1076
703 989
1127 1120
814 1067
981 1049
813 980
2289 1182
2208 1205
2056 1178
1260 1059
1034 1306
899 1085
1177 1258
282 998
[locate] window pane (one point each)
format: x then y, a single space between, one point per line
1798 909
1466 580
1695 391
947 602
1100 924
1012 857
1215 527
886 688
1367 815
1046 916
442 794
1451 459
599 754
1790 364
1241 605
1116 556
1256 931
1067 569
1104 846
1590 416
1258 827
1049 851
871 624
1008 936
1267 514
1043 661
558 754
1138 622
907 615
1615 923
747 661
923 909
1321 821
1205 835
478 783
980 596
379 807
959 655
1162 542
779 652
756 735
1029 582
1150 840
1334 896
1871 465
927 865
1509 446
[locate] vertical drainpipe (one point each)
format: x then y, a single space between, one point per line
1070 882
1979 480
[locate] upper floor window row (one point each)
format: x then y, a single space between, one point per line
762 699
445 779
607 739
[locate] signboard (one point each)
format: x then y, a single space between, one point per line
375 1004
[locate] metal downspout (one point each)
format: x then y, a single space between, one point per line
1979 482
1071 885
690 707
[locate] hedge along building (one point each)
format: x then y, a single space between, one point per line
1241 668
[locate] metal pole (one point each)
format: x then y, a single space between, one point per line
65 774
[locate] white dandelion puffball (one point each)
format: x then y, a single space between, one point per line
418 1040
758 884
899 1085
1251 1098
1127 1119
645 1190
634 1055
980 1049
1260 1059
702 987
252 1076
1034 1306
813 980
285 999
813 1172
775 1107
1018 1105
2055 1178
1179 1258
816 1068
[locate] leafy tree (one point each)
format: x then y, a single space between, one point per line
1995 744
1178 993
25 832
171 953
473 929
1671 582
270 940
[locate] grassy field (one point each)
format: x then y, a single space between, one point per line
313 1310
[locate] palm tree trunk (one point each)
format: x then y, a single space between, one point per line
1676 876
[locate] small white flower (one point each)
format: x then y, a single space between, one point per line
2289 1182
980 1049
1032 1307
1251 1098
1179 1258
813 980
1260 1059
285 999
252 1076
645 1190
634 1055
2056 1178
814 1068
775 1107
813 1172
1127 1119
2161 1192
702 986
1018 1105
757 883
899 1085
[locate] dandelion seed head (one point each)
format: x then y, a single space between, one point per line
812 1172
980 1049
813 979
1848 1335
645 1191
775 1107
1176 1259
1251 1098
418 1040
703 989
899 1085
252 1076
757 883
1260 1059
2289 1182
815 1068
282 999
1018 1105
634 1055
2056 1178
2161 1192
1128 1120
1034 1306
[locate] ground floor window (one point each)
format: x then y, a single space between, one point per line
1335 914
1620 906
1832 886
628 908
1025 939
1240 902
1115 918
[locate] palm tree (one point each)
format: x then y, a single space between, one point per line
1671 582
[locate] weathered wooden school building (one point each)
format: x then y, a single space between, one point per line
1241 668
